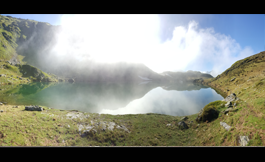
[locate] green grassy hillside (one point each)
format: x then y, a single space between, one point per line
15 35
17 74
245 78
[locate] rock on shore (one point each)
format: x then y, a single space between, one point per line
33 108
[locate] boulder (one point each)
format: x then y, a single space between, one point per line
243 140
229 110
233 79
33 108
75 115
85 130
231 97
227 127
182 125
199 117
71 80
228 104
184 118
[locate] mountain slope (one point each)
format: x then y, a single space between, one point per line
185 76
245 73
246 79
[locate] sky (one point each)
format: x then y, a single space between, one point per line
206 43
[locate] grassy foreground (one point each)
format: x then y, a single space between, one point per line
52 127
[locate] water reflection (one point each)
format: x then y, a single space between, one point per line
114 98
175 103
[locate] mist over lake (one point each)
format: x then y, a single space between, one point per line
114 98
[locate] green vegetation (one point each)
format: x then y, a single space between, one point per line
211 111
52 128
23 74
249 87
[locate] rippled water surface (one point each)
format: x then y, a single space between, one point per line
113 98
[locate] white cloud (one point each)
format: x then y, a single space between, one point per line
192 48
134 38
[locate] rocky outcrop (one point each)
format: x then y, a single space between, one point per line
227 127
33 108
86 129
199 117
228 104
231 97
229 110
71 80
74 115
243 140
233 79
182 125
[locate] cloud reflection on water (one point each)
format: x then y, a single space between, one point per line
175 103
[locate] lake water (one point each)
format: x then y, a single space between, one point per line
113 98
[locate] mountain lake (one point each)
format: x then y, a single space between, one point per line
179 99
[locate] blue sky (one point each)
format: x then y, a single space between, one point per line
201 42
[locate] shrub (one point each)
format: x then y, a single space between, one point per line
211 111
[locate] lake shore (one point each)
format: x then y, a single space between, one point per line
53 127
